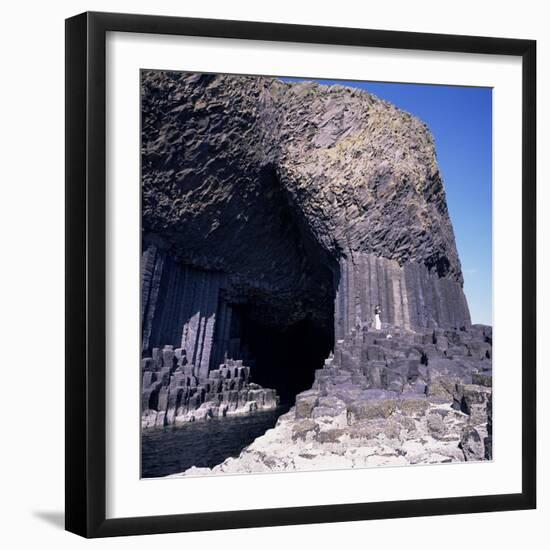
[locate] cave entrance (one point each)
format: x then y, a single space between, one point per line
285 357
281 307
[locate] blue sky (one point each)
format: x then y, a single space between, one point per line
460 119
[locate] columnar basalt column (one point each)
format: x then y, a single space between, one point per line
410 296
179 306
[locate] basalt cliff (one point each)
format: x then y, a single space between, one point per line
276 216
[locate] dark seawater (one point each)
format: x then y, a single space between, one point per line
203 444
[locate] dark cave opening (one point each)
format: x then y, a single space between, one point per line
256 286
285 357
262 291
285 331
288 335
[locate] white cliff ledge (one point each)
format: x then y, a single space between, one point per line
431 435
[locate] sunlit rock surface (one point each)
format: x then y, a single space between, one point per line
409 399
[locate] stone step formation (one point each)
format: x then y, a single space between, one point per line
174 391
382 379
384 398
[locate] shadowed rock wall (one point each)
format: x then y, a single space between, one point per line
179 305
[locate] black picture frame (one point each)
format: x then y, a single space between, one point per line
86 274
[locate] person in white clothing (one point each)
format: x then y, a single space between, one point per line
377 322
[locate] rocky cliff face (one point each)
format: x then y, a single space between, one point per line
281 203
279 183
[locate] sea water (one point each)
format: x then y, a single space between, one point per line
174 449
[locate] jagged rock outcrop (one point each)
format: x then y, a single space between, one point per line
385 398
175 392
274 203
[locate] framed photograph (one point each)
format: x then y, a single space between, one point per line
300 274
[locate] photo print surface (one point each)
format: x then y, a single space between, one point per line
316 276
